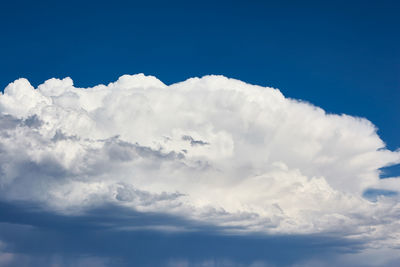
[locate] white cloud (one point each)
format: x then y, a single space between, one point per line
214 149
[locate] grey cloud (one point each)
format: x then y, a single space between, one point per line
60 136
33 121
124 151
8 122
147 151
194 142
129 193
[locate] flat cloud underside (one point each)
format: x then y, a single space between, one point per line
241 157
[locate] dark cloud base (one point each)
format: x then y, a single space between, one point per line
41 238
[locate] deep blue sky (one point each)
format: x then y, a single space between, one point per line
341 55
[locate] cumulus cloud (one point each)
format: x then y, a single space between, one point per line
217 150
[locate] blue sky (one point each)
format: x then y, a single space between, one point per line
342 56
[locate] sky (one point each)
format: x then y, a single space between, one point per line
188 133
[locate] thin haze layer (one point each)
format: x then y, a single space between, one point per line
241 157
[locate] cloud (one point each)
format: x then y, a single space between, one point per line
119 236
214 150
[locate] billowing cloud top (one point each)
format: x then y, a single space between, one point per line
212 150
